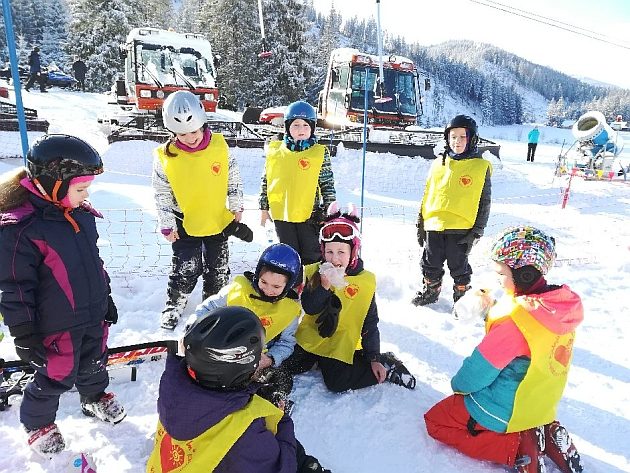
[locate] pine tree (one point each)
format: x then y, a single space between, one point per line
98 27
55 34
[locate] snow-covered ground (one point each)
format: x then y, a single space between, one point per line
380 428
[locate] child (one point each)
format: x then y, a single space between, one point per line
267 292
193 176
454 210
507 391
298 183
339 330
54 292
210 417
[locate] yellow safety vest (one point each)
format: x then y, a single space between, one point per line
274 316
200 183
292 181
452 193
202 454
541 389
355 299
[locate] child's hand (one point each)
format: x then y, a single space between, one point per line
325 282
265 362
172 237
264 216
238 215
380 373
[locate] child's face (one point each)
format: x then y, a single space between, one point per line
192 139
77 193
457 140
300 129
338 254
504 274
272 284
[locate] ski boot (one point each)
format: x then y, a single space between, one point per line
173 311
459 290
560 449
530 453
397 373
46 441
429 293
104 407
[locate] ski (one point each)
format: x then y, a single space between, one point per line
122 364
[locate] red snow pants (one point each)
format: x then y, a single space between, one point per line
447 422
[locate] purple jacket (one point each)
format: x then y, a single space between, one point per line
187 410
50 276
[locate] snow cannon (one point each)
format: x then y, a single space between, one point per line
596 136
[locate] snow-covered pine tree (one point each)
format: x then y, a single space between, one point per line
330 36
96 30
290 67
188 18
55 35
238 44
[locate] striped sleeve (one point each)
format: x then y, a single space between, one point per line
326 181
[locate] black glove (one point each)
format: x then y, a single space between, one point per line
422 235
329 318
111 317
318 216
470 239
239 230
28 346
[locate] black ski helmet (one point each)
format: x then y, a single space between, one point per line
223 348
59 158
463 121
282 259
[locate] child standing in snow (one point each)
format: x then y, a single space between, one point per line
267 292
210 417
454 210
339 330
507 391
54 292
298 183
193 177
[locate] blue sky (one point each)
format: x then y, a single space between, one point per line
431 22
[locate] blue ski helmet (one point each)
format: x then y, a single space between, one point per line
282 259
463 121
303 110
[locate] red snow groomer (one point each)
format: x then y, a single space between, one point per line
158 63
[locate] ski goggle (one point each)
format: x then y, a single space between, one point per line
342 230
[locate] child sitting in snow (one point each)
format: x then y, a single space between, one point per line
339 330
54 292
507 391
210 417
268 293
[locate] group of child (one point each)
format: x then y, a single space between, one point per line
224 396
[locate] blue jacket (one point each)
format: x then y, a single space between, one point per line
187 409
51 276
532 136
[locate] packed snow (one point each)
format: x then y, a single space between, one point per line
380 428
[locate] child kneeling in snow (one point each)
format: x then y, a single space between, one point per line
268 293
507 391
210 417
339 330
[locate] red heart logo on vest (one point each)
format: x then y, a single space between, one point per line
304 163
562 354
352 290
216 168
465 180
265 321
171 456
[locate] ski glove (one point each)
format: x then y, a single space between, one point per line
239 230
111 317
422 235
470 239
28 346
329 318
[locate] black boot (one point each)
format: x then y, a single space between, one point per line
173 310
429 293
459 290
397 372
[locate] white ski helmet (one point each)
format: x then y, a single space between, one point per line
183 112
